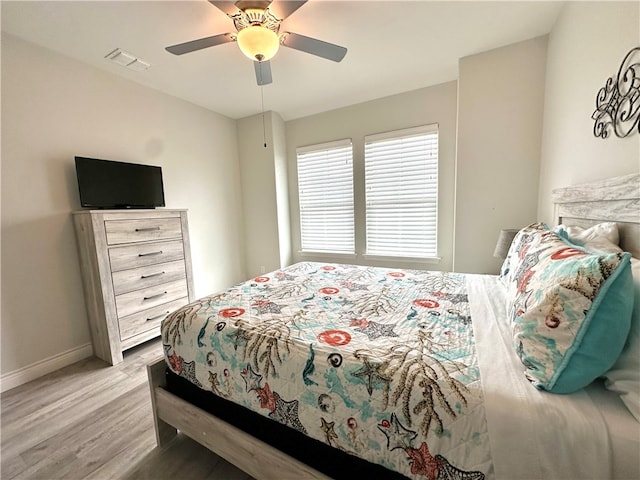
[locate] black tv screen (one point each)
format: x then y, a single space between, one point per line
110 184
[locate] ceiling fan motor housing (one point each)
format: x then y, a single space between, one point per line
256 17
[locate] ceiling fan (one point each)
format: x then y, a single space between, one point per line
258 35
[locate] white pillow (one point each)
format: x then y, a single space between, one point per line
602 237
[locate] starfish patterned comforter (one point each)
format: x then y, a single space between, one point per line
380 363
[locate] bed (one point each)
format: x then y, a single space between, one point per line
325 370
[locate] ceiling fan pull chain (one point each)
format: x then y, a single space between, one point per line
264 130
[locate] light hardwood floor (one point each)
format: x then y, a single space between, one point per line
92 420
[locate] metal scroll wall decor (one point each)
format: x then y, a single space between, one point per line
618 102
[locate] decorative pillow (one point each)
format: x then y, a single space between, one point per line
570 308
624 376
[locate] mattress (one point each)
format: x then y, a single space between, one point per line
409 370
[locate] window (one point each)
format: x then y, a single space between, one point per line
401 180
325 188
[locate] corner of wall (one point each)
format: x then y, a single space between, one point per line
499 131
282 189
263 175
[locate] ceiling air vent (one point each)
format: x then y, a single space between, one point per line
128 60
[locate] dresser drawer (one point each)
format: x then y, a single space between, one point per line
143 277
133 302
133 256
148 319
142 230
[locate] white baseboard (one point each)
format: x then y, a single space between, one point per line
35 370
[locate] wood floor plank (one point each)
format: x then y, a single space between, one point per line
33 428
121 464
109 443
94 421
93 426
188 459
11 467
54 386
53 467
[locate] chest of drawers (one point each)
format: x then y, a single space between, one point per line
136 268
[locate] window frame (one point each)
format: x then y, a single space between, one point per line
430 254
348 209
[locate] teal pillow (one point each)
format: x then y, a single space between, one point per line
570 309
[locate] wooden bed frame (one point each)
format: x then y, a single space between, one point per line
616 199
258 459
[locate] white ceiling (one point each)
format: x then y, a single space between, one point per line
393 46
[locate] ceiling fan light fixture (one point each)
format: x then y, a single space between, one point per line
258 42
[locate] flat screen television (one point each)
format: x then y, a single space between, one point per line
110 184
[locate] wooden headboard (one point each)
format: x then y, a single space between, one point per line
611 200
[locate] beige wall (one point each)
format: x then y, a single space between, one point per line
500 108
586 46
265 193
54 108
435 104
259 193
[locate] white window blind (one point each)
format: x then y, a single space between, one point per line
401 178
325 188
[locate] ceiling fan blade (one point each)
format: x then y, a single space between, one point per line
314 46
263 72
283 8
227 6
199 44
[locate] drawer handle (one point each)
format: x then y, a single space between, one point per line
159 252
148 229
158 316
155 296
151 275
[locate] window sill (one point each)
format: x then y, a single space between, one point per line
307 253
382 258
390 258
